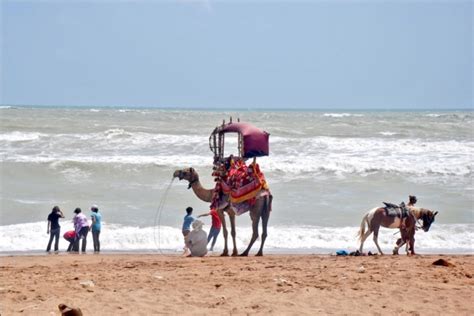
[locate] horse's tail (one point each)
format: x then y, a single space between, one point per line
362 226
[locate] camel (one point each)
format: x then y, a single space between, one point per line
260 210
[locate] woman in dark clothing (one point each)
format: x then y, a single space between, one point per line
53 227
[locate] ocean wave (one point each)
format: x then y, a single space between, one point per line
290 155
115 237
387 133
339 115
21 136
5 107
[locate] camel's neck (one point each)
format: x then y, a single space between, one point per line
202 193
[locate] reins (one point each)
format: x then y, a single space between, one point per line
158 217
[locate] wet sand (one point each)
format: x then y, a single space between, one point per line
146 284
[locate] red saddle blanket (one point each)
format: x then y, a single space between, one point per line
243 182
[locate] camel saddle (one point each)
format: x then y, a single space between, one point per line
394 210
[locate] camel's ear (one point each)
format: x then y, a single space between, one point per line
435 213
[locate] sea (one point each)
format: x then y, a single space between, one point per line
326 169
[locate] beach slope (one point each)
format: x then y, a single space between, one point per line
145 284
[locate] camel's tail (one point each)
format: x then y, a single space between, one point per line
362 226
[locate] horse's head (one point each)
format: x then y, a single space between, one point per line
187 174
428 218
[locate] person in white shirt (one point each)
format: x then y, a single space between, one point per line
196 240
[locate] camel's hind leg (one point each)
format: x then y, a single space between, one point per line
265 218
255 221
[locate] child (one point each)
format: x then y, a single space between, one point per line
71 237
215 227
186 229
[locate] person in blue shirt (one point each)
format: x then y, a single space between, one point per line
186 229
96 227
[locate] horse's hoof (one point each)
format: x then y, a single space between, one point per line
395 252
234 254
259 254
244 254
225 254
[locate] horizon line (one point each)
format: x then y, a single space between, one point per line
241 108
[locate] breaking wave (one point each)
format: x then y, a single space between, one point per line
289 155
441 238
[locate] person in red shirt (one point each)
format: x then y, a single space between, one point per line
215 227
70 236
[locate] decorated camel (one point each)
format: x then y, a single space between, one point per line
260 210
239 188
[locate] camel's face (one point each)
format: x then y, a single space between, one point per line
186 174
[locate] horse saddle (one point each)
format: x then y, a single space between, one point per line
394 210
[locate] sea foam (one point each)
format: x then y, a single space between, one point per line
114 237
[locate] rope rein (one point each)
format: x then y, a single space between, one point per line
159 210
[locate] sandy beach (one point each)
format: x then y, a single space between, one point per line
145 284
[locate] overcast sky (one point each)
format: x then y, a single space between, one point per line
246 54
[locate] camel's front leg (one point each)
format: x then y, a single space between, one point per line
232 232
224 232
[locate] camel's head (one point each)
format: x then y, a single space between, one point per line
428 218
187 174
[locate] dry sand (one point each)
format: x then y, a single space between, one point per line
145 284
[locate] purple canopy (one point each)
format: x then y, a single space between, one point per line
255 141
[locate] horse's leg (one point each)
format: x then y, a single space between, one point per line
233 233
363 238
255 220
224 232
376 235
265 218
362 233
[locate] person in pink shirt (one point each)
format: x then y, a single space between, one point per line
81 226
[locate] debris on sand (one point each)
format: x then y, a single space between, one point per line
442 262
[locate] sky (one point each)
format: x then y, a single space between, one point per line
238 54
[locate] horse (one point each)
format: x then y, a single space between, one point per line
379 216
